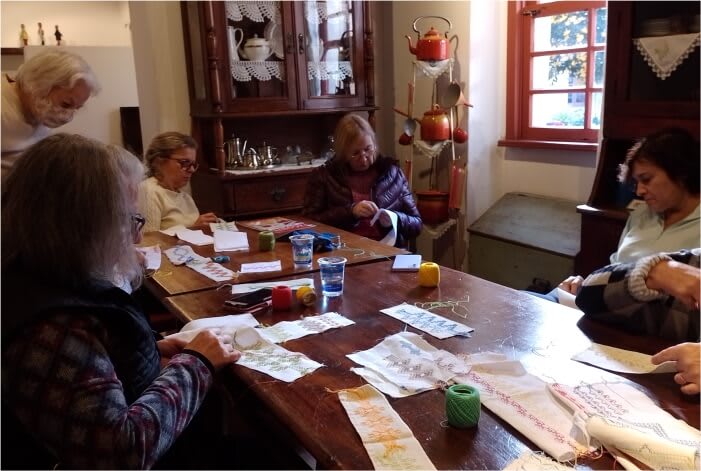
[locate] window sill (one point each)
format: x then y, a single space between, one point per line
561 145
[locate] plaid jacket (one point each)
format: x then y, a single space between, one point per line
617 294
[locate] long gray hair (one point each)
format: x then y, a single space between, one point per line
67 210
55 68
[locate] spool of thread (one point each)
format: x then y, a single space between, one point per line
281 298
221 258
429 275
306 295
266 241
462 406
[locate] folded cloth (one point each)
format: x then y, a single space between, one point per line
322 240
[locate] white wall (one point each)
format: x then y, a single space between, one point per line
82 23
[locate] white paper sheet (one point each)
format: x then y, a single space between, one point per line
431 323
229 241
152 254
173 231
391 237
624 361
194 237
248 287
290 330
261 267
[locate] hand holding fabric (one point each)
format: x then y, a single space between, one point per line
203 220
687 356
215 348
572 284
676 279
364 209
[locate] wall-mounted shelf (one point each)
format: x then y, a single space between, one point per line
12 51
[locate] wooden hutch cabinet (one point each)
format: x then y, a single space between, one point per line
637 102
272 73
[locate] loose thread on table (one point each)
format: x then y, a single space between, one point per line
162 273
428 306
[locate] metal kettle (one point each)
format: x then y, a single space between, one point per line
234 152
250 159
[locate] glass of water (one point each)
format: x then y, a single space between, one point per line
302 250
332 270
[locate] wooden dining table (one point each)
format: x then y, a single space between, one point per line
170 279
521 326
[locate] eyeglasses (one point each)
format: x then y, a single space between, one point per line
369 150
186 164
138 222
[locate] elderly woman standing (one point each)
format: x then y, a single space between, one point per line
45 93
82 382
348 191
171 159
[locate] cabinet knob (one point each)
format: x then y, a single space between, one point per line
278 194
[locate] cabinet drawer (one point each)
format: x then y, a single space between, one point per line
269 194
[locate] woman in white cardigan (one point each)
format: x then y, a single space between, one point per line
170 160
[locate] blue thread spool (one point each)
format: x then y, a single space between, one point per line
462 405
221 258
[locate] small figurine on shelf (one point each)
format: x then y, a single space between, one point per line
23 35
40 32
58 35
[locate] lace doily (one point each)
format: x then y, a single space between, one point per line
318 12
665 53
245 71
329 70
428 149
434 69
257 11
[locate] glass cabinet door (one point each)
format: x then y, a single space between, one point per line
258 59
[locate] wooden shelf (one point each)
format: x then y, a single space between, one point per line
12 51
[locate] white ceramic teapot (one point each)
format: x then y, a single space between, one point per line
255 49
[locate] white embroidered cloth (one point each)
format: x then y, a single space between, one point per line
173 230
223 226
212 270
329 70
245 71
221 324
523 400
404 364
532 461
194 237
431 323
248 287
261 355
624 420
389 442
624 361
229 241
434 69
428 149
391 237
152 255
290 330
257 10
181 254
665 53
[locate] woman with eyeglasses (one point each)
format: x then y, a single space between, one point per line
85 382
349 190
170 160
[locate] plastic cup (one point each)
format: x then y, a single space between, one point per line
302 250
332 270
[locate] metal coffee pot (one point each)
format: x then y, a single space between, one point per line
268 155
251 159
234 152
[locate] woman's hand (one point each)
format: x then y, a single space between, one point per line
364 209
688 363
204 220
572 284
217 349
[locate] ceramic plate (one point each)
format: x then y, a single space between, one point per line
273 33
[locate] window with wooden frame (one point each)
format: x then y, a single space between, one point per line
555 64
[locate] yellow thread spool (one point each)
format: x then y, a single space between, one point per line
306 295
429 275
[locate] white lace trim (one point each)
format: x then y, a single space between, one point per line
257 11
329 70
245 71
318 12
665 53
429 150
434 69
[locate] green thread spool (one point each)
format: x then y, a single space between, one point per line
266 241
462 405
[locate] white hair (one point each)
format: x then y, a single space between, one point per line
55 68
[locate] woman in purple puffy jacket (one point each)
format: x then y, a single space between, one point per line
357 183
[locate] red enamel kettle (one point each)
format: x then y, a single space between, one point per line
430 47
435 125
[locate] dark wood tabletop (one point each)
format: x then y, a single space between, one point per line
505 321
170 280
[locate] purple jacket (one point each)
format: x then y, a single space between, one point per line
329 199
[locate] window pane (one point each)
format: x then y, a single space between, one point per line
558 110
599 60
596 110
601 15
560 31
559 71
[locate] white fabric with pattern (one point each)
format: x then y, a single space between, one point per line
245 71
255 10
665 53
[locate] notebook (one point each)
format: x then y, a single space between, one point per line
406 263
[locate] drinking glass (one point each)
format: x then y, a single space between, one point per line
332 270
302 250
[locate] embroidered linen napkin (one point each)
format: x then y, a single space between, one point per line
431 323
290 330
